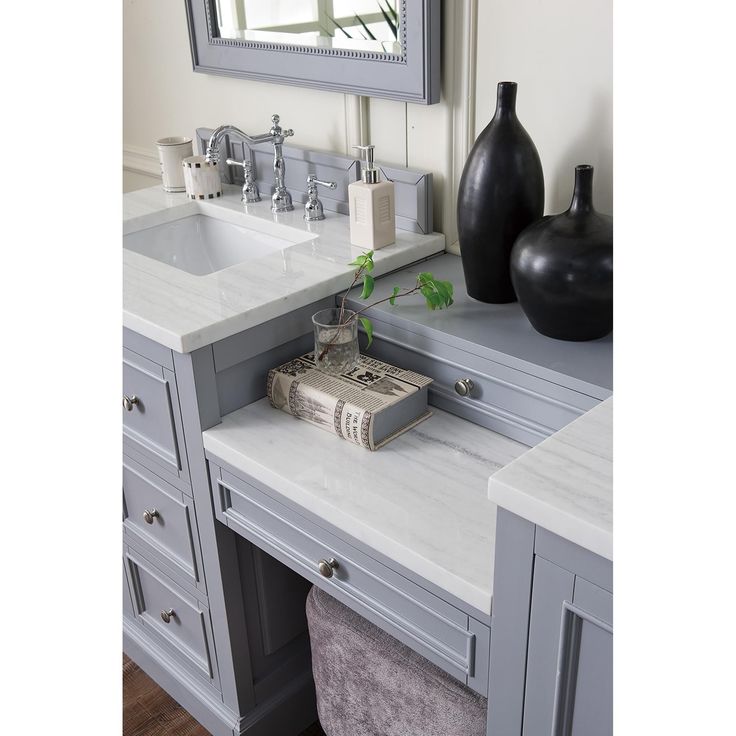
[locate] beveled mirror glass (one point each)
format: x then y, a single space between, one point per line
359 25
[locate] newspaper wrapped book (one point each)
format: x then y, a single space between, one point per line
370 405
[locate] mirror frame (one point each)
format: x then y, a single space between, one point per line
414 76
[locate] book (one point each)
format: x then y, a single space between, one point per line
369 405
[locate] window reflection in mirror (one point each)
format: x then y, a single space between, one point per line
360 25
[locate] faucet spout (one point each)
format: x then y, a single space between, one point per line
213 145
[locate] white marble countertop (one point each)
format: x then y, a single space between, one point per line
185 312
565 483
420 500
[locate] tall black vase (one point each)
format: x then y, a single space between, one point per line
501 192
562 269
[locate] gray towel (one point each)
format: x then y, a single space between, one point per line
370 684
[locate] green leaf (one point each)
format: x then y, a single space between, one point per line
442 290
367 30
368 284
392 298
368 327
425 278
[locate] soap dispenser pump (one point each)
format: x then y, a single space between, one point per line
372 206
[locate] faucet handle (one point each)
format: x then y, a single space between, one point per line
276 129
313 207
250 188
312 180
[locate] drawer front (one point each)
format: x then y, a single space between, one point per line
162 517
187 634
521 406
426 623
152 424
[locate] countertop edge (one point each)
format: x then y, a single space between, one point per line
593 538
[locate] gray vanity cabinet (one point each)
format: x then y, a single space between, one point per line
552 636
570 657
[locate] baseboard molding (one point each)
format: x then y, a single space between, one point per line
141 161
202 702
287 713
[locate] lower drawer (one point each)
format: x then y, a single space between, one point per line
176 619
426 623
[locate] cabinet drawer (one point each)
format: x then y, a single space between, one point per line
524 407
162 517
426 623
187 634
152 422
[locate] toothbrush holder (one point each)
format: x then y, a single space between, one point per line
202 178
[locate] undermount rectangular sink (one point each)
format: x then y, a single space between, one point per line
202 245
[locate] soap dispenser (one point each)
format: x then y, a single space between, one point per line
372 207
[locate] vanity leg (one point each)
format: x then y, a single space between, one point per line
512 587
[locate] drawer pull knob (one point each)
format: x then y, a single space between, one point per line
327 567
129 402
149 515
167 615
464 386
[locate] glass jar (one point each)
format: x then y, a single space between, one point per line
335 345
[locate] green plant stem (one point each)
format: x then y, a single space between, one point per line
356 278
380 301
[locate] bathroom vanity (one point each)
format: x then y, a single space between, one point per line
481 538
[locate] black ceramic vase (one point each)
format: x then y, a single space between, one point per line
562 269
501 192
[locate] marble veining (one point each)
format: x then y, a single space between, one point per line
420 500
185 312
565 484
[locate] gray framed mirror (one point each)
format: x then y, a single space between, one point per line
376 48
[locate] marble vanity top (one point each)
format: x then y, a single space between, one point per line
420 500
565 484
184 312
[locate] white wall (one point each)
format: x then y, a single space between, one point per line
565 105
561 55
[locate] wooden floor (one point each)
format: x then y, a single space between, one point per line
149 711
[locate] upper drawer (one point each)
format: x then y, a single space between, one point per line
426 623
151 417
163 518
524 407
179 621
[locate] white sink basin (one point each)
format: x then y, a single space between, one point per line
201 245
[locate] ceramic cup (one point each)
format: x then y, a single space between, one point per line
171 152
201 178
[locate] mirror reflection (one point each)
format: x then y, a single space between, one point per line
360 25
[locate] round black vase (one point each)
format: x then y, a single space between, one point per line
501 192
562 269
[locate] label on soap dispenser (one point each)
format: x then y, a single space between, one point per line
372 214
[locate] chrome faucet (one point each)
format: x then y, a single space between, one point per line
281 199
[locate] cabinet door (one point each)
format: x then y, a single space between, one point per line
570 659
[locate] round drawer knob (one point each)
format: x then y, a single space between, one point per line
149 515
327 567
129 402
167 615
464 386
